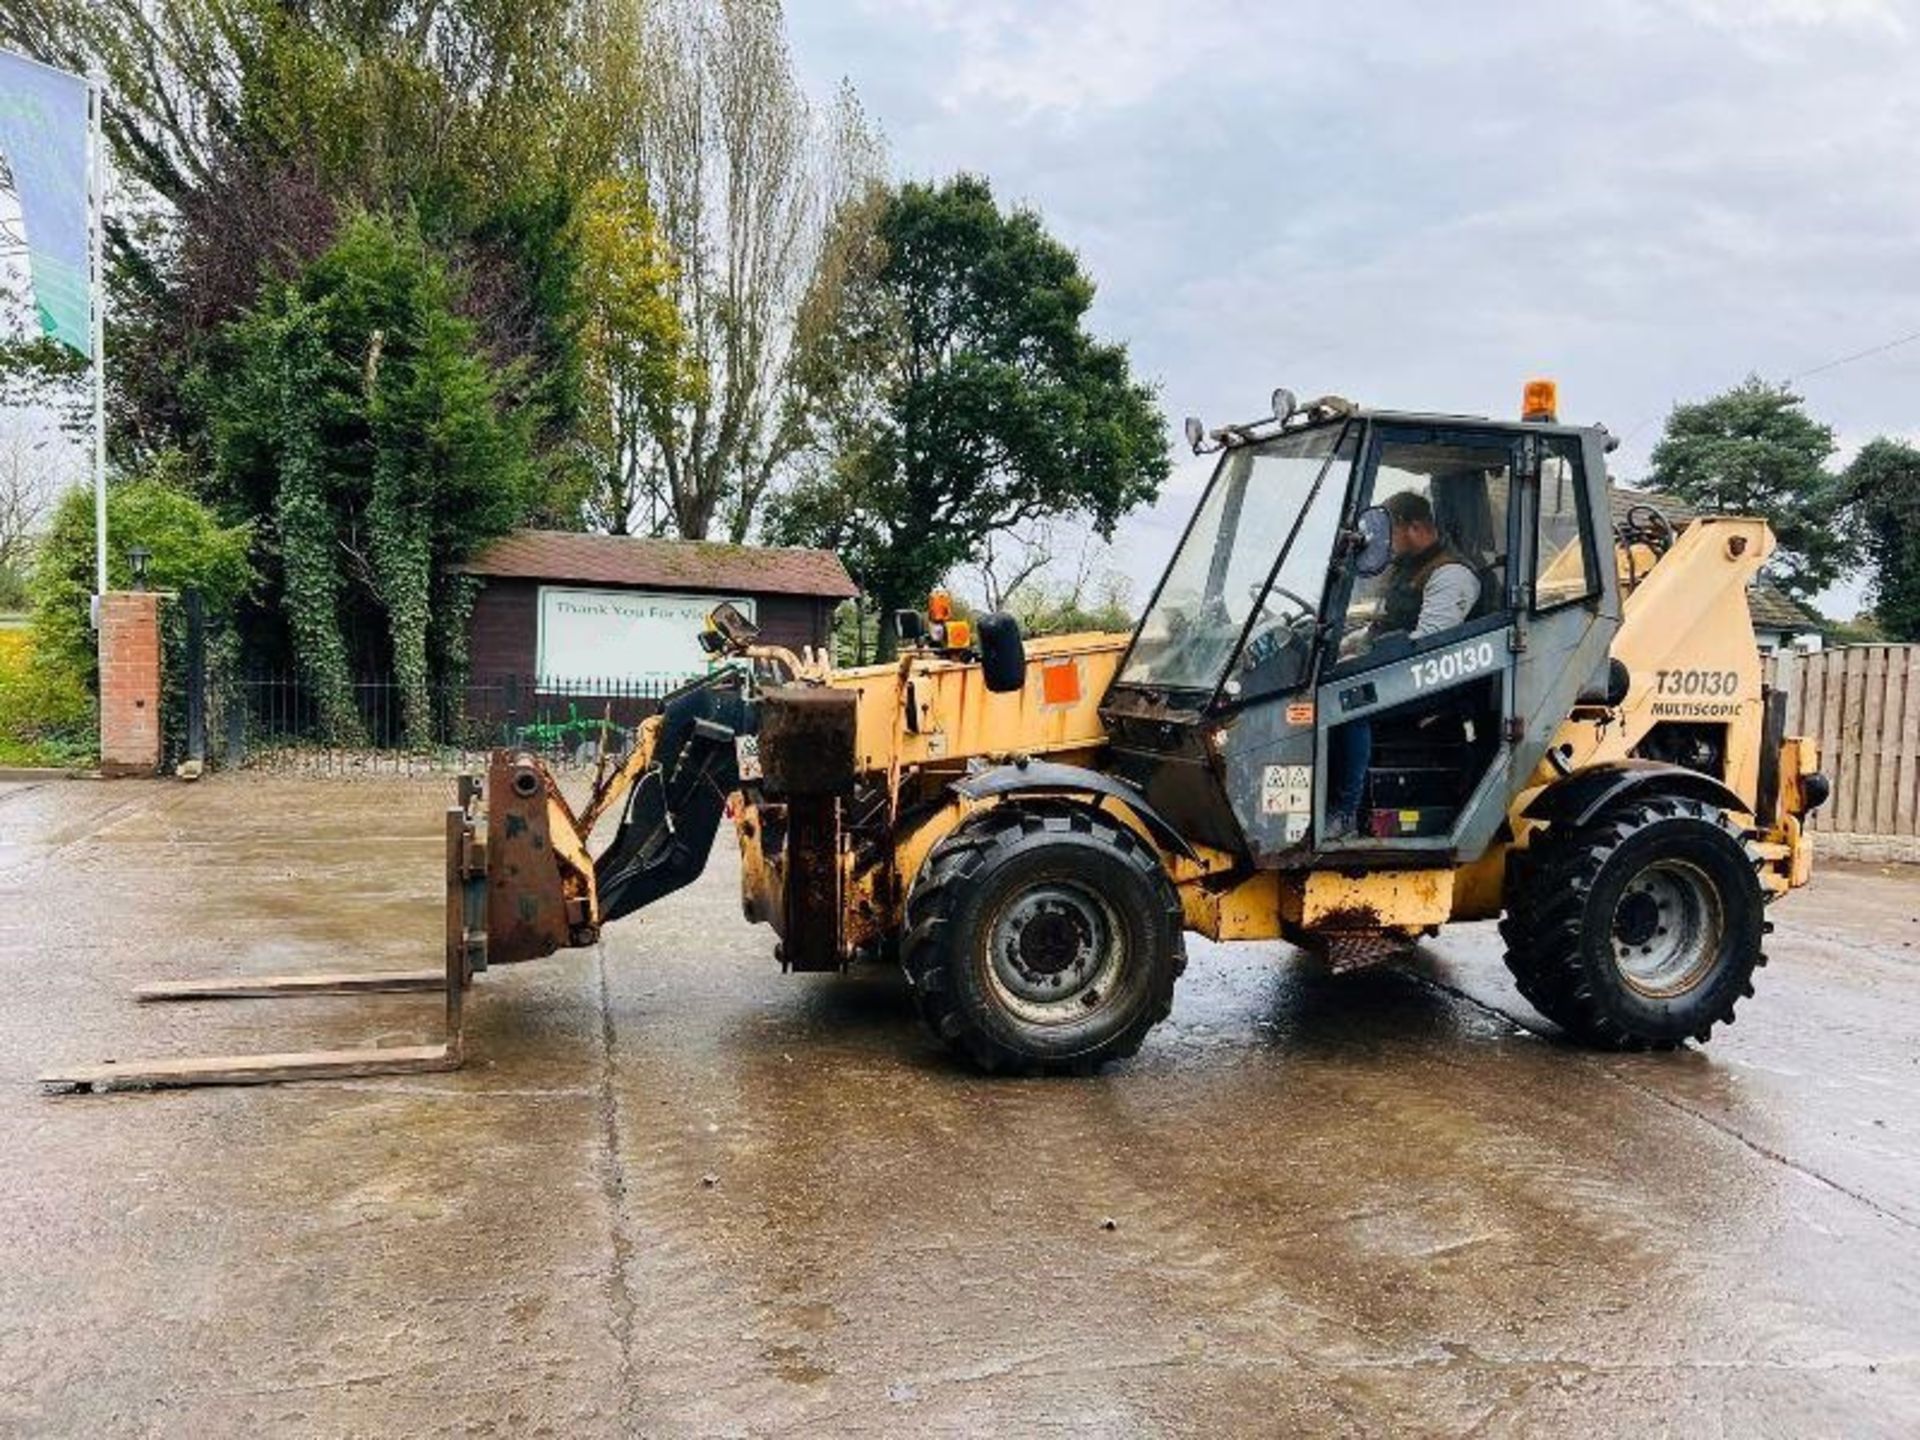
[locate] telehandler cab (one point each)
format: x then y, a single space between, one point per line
1586 749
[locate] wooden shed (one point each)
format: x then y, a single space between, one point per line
572 611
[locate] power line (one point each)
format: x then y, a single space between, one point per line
1857 355
1820 369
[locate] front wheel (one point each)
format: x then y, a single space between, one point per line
1043 939
1639 930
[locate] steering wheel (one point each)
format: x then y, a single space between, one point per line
1265 647
1306 606
1261 593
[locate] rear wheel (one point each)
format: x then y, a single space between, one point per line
1639 930
1043 939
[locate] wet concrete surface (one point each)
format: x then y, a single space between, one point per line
679 1193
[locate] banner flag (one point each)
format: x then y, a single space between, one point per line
44 136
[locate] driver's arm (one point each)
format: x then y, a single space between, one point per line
1446 601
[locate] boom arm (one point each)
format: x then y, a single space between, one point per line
688 769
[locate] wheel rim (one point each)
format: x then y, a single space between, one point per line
1054 951
1667 928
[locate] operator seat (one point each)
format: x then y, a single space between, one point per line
1464 516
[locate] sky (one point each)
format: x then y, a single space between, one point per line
1422 205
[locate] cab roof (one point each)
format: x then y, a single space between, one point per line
1333 410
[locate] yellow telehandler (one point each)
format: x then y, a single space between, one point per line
1403 669
1588 751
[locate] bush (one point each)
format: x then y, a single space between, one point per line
189 548
46 713
47 679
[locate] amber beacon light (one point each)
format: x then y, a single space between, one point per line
1541 401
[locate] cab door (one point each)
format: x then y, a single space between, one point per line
1424 718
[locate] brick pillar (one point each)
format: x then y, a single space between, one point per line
130 683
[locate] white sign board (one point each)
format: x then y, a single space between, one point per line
626 636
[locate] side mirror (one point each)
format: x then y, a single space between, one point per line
1375 549
910 626
1003 654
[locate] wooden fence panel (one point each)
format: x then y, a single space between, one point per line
1887 765
1906 804
1852 741
1861 703
1833 690
1873 715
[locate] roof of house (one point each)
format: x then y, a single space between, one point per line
1677 511
567 555
1772 607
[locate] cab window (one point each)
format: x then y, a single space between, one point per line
1564 570
1439 509
1217 582
1278 649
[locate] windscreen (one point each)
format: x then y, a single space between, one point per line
1221 569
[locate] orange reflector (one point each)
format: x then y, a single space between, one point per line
1060 683
959 634
1541 401
939 605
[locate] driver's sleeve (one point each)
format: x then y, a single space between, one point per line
1447 600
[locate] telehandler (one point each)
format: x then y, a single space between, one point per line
1588 753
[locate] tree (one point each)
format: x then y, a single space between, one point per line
243 130
636 362
1057 607
1754 451
1027 580
26 493
969 399
354 409
746 178
452 104
1881 489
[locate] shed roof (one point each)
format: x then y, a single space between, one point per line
566 555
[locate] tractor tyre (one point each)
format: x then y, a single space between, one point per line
1640 929
1043 940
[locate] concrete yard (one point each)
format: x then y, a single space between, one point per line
677 1192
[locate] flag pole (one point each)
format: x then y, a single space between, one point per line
97 196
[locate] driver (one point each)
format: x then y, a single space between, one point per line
1429 589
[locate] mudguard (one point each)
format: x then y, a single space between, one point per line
1039 777
1576 799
